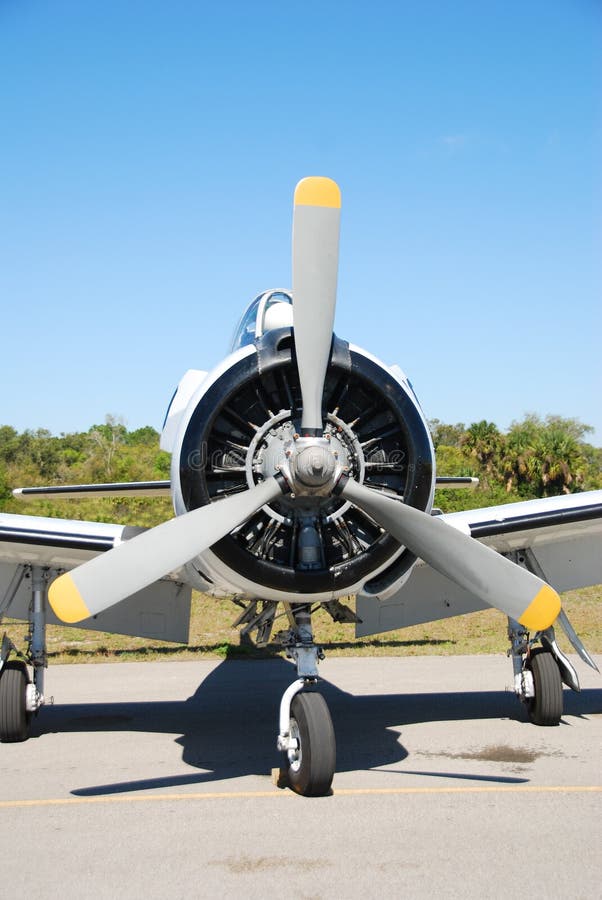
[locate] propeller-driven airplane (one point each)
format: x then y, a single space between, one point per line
302 472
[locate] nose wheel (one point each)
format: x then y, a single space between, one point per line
311 756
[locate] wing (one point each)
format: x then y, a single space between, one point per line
557 538
160 611
79 491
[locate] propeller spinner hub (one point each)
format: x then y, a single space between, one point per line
311 466
314 465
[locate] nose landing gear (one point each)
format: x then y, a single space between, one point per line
306 732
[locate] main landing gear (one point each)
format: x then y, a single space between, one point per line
540 671
21 697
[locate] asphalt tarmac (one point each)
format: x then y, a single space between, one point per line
155 779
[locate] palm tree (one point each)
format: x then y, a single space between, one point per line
545 458
562 462
485 443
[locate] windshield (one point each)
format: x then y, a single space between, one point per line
253 318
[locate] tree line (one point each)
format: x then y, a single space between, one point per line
535 457
105 453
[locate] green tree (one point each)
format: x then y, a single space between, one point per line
546 457
104 442
593 471
5 491
9 443
446 435
484 443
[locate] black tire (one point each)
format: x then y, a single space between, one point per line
14 718
311 767
545 708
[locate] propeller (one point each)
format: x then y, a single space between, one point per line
464 560
133 565
316 220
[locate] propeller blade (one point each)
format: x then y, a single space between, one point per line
316 221
105 580
464 560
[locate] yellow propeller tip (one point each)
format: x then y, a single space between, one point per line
318 191
66 600
542 611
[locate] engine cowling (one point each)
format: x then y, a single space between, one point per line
237 433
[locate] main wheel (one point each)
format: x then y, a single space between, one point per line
311 765
545 708
14 718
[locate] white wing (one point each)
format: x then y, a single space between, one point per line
559 538
160 612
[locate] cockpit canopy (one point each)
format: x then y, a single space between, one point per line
272 309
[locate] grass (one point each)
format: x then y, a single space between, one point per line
211 635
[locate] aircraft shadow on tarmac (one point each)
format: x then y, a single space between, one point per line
228 727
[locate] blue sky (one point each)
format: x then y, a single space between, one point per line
148 156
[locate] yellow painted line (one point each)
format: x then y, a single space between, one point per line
339 792
142 798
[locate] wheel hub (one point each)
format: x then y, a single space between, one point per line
294 753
